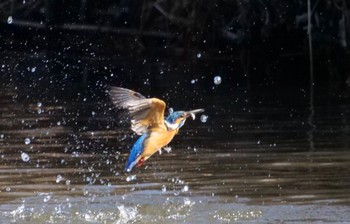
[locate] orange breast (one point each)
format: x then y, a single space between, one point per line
156 141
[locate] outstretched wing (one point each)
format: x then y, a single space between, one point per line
146 113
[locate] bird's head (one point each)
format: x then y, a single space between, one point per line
177 119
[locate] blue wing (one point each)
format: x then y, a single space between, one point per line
136 150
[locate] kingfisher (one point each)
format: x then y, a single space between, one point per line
148 121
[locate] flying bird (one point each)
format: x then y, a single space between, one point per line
148 121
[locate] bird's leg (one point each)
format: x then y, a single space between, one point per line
140 162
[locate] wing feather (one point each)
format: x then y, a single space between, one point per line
146 113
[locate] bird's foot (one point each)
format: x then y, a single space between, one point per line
140 162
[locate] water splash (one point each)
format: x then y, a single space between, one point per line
126 214
59 178
130 178
163 188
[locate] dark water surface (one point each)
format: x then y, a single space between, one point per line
261 157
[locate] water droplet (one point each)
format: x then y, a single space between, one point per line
2 136
88 217
27 141
171 110
163 188
59 178
193 81
130 178
258 142
185 188
93 113
187 201
9 20
39 104
217 80
167 149
47 198
33 69
25 157
204 118
199 55
7 189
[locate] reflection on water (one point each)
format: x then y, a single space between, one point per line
62 158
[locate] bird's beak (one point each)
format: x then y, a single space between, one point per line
192 113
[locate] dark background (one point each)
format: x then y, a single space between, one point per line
262 44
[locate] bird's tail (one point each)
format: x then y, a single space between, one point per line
136 151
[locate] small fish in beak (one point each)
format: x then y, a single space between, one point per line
193 116
192 113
